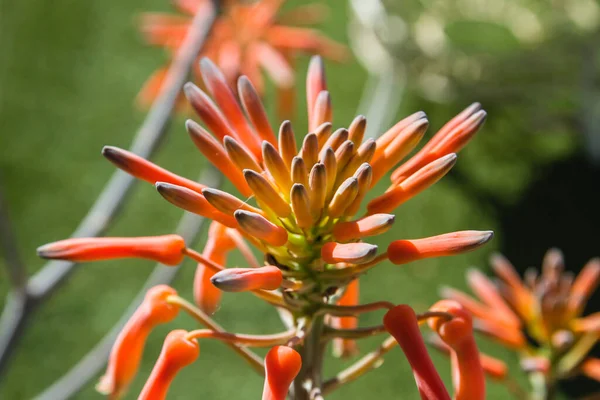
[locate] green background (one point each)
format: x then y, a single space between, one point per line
69 72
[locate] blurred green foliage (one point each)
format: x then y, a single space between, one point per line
69 71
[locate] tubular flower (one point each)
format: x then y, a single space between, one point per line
401 323
298 205
178 351
540 317
127 351
247 39
457 333
218 245
282 365
453 325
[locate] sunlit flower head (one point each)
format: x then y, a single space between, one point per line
301 203
539 317
249 38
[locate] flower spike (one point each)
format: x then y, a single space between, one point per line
178 352
167 249
282 365
127 351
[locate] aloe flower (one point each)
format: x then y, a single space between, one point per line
248 38
539 318
454 328
300 205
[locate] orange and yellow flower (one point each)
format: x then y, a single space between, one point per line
299 207
540 317
248 38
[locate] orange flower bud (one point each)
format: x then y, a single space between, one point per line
208 111
405 251
178 351
167 249
356 130
244 279
127 351
315 84
343 197
469 380
260 227
371 225
266 193
282 364
401 322
255 110
145 170
218 245
406 140
301 206
287 143
450 139
347 347
351 253
276 167
193 202
219 89
413 185
216 154
310 150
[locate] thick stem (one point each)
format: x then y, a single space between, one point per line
307 384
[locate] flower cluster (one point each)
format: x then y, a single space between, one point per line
540 318
246 39
299 208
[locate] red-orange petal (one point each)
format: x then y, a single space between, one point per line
282 365
193 202
351 253
127 350
216 154
450 139
217 247
413 185
166 249
145 170
315 84
178 352
401 322
371 225
405 251
469 379
268 277
219 88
